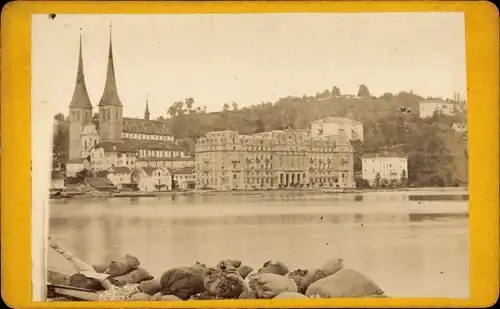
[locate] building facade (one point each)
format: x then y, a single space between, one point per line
427 108
120 176
385 166
338 126
184 178
226 160
57 181
155 179
111 140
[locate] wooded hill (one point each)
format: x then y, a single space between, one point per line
436 154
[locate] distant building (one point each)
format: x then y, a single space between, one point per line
428 107
57 181
338 126
226 160
459 127
155 179
120 176
184 178
388 166
74 166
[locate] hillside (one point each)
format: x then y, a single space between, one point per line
436 153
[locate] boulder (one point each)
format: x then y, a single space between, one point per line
224 283
244 270
150 287
344 283
269 285
137 275
182 282
290 295
274 267
140 297
122 265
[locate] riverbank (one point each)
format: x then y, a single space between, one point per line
261 192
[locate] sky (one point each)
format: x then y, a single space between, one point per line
246 58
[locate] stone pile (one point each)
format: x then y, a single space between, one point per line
229 279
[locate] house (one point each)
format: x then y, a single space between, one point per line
155 179
428 107
120 176
57 181
342 126
101 184
459 127
385 166
74 166
184 178
108 154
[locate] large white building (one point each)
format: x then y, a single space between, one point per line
338 126
388 166
427 108
226 160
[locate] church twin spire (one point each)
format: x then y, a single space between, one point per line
110 94
80 97
109 97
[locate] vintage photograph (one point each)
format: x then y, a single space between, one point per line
250 156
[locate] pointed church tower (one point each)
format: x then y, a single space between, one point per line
80 110
110 106
146 112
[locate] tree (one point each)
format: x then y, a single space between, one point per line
377 180
403 178
225 107
335 91
60 140
235 106
83 174
361 183
363 92
387 97
384 183
59 118
189 102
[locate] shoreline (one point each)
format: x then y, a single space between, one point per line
257 192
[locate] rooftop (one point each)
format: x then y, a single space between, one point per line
144 126
439 101
120 169
149 170
383 155
165 159
184 170
336 119
100 182
131 146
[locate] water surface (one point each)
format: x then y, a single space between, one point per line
413 244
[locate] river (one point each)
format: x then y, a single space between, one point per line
412 243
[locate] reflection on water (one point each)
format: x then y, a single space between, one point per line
412 249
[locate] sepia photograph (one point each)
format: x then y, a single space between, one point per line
249 156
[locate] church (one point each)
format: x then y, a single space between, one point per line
114 141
